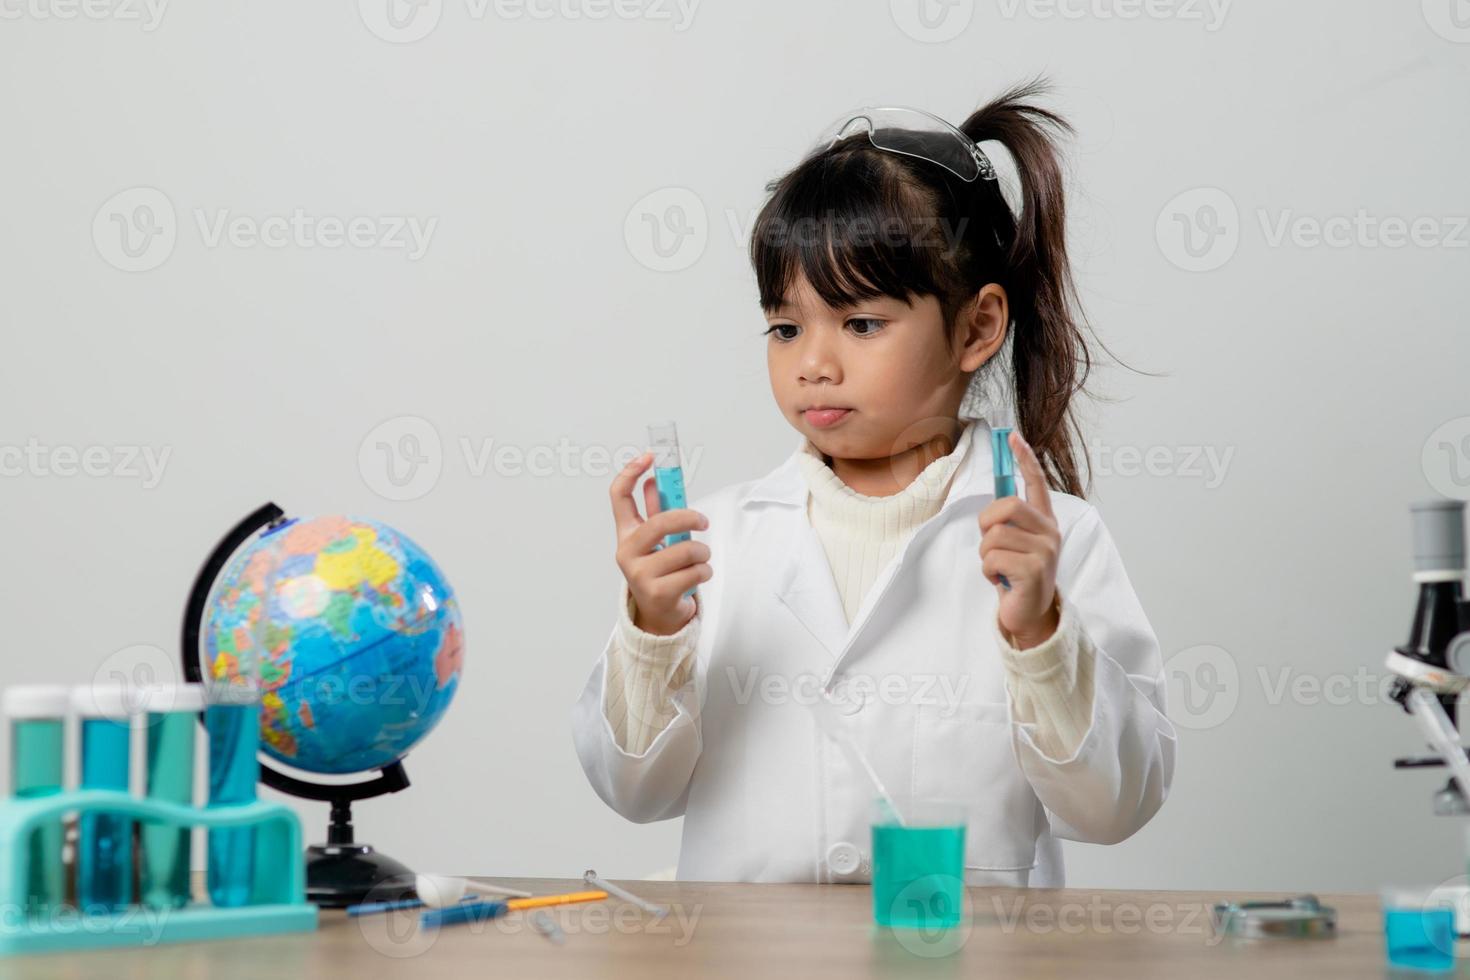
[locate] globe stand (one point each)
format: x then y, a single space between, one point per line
342 871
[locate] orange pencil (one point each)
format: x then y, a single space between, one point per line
538 901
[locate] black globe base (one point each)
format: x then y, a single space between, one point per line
338 875
344 872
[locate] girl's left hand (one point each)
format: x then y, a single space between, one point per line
1020 540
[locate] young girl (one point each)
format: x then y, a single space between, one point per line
985 650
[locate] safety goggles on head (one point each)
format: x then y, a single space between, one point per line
913 133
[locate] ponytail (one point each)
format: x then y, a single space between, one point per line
1050 355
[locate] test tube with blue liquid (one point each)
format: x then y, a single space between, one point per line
232 719
668 477
1002 424
172 713
37 714
105 840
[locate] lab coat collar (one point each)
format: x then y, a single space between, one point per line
803 580
785 484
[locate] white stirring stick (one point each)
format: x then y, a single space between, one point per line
590 877
826 715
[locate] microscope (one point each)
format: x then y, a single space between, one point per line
1433 667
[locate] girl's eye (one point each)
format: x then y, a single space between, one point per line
873 326
777 328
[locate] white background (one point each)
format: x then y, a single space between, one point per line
540 316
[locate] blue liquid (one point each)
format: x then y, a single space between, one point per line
1422 939
918 876
234 740
170 777
670 483
1005 462
105 846
1005 469
35 770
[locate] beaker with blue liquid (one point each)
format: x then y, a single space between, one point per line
918 864
1419 928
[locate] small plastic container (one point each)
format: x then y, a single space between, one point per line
919 864
1418 928
105 840
172 713
37 715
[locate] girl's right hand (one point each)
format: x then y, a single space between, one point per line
659 578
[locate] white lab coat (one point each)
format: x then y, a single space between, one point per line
767 796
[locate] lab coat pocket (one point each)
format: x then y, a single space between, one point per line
962 751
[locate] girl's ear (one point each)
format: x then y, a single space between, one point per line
982 326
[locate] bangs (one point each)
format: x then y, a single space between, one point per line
856 229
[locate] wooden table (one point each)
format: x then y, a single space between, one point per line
765 932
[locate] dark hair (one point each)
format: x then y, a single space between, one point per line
947 238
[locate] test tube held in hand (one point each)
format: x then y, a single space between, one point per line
668 476
1004 461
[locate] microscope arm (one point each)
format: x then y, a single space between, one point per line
1442 736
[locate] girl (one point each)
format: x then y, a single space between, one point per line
980 649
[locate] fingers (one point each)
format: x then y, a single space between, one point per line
672 559
1008 537
647 535
625 509
1014 510
682 581
1017 566
1037 494
651 503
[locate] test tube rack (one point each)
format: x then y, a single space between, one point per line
277 895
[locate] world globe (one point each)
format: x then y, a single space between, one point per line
356 635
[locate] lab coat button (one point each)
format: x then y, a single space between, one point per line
844 858
847 699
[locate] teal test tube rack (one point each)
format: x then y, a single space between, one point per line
277 901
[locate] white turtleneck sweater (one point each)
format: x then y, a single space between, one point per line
1050 685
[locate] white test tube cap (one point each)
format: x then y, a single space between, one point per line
35 701
101 701
158 699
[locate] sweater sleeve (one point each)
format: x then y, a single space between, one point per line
1051 684
644 670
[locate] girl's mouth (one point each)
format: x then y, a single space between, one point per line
823 418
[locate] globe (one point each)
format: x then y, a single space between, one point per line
357 637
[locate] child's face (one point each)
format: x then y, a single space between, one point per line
892 364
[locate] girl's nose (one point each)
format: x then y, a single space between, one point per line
819 362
